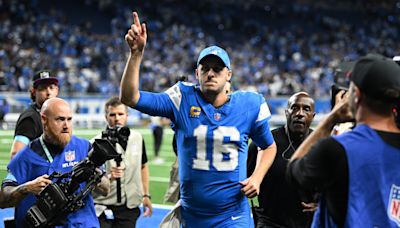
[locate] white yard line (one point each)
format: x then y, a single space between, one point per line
159 179
161 206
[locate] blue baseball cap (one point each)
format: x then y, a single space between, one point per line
217 51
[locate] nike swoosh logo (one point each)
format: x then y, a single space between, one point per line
235 217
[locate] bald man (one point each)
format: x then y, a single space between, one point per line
57 150
282 205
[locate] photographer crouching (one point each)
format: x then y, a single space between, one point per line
128 174
32 169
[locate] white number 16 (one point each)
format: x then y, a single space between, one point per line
218 150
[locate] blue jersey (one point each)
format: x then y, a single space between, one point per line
374 181
28 165
212 143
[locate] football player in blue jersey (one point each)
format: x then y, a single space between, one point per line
212 131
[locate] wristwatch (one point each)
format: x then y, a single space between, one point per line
148 196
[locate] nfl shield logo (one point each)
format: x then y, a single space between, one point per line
217 116
394 204
70 155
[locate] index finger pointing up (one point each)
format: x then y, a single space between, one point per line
136 20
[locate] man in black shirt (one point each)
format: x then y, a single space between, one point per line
281 205
29 126
357 171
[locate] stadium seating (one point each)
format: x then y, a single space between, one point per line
276 48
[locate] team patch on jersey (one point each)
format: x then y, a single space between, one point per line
70 155
394 204
195 112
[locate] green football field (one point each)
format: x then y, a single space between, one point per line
159 174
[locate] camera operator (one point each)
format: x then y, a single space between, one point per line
357 171
57 150
132 174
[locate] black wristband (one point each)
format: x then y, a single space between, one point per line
148 196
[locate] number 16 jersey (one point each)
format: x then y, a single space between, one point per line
212 143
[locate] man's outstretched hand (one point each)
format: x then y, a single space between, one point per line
136 37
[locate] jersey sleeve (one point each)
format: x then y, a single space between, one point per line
260 131
9 180
26 128
18 167
161 104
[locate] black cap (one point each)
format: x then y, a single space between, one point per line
377 77
43 77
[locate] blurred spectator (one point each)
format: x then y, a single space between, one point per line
4 109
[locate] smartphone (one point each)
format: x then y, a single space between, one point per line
335 89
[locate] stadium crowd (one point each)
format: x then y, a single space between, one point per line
276 48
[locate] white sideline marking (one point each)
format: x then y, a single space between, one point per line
159 179
162 206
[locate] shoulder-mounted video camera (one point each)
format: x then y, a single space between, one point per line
61 197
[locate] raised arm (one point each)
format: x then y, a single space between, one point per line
136 39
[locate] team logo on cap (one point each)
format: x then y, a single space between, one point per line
195 111
394 204
44 74
215 52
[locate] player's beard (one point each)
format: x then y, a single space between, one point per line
58 139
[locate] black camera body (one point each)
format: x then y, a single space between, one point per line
60 197
117 134
120 135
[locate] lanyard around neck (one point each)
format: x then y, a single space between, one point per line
46 151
